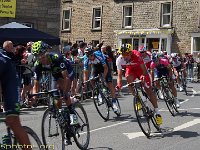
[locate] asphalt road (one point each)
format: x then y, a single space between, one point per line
123 133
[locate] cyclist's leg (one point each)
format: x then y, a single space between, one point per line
130 77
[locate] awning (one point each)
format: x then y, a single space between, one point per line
144 31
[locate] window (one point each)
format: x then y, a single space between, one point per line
66 21
127 16
28 24
166 14
96 20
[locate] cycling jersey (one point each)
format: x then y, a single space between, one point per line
98 63
147 60
134 69
9 84
58 63
161 68
120 62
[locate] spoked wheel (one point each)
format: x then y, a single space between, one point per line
34 140
101 105
143 118
82 129
170 102
52 134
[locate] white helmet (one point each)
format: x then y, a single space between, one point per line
173 55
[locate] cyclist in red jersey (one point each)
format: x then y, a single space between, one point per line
135 68
146 55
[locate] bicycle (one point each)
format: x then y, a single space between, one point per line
143 109
57 122
101 98
168 96
11 142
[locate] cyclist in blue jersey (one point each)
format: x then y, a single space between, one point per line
9 86
99 65
61 70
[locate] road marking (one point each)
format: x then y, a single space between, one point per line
183 126
184 101
109 126
195 92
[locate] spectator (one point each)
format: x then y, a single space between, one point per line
198 66
82 46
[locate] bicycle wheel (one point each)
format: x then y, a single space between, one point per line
102 107
170 101
142 116
82 129
52 133
34 140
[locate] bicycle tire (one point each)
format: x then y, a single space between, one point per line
102 108
82 122
49 116
169 101
37 144
143 118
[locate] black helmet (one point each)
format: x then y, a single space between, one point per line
88 51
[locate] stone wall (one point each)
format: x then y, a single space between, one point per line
146 14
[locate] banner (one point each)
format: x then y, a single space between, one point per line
8 8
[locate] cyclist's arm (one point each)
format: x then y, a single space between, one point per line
65 78
119 78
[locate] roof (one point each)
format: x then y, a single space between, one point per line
21 34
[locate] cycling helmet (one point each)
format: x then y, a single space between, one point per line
88 51
125 49
29 44
142 48
173 55
39 47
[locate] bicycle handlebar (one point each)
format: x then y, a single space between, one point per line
132 83
41 93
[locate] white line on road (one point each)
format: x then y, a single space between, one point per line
183 126
109 126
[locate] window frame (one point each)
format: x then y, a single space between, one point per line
123 16
98 19
169 25
64 20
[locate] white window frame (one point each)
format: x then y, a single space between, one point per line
94 18
166 14
65 20
124 17
28 24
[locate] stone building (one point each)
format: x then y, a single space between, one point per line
171 25
43 15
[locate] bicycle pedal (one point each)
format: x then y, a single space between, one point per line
67 141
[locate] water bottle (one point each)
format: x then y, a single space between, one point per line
6 140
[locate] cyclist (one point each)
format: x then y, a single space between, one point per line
61 70
177 66
98 62
145 55
135 68
9 84
163 68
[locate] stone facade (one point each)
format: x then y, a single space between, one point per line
43 14
146 15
